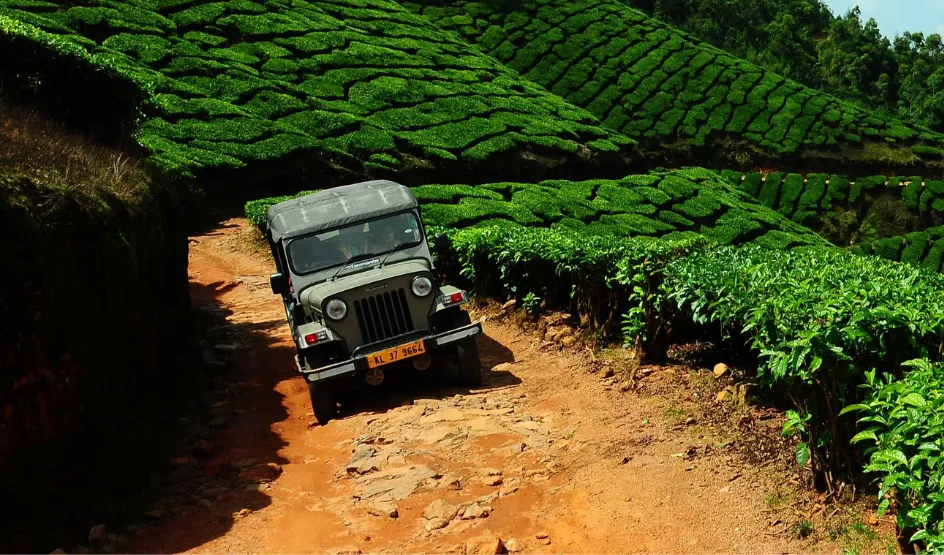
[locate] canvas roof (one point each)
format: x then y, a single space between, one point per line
337 207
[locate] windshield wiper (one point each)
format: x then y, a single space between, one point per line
353 259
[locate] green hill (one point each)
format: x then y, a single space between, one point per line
297 89
668 90
674 205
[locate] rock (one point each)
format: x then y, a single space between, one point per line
402 487
514 546
484 545
97 535
363 466
202 448
721 369
440 509
542 535
240 464
243 513
181 474
58 551
474 511
156 513
487 499
492 480
568 341
725 395
507 489
384 508
262 473
451 481
607 373
624 387
436 524
741 394
503 367
218 422
362 451
549 336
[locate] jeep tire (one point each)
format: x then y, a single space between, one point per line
323 402
470 366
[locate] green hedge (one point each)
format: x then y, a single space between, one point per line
655 84
668 205
903 438
362 85
819 319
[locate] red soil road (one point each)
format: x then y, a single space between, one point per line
590 467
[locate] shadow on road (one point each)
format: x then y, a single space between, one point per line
404 386
202 497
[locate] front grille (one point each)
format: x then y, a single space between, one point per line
383 316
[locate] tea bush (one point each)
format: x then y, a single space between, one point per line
362 85
656 84
669 205
904 421
818 319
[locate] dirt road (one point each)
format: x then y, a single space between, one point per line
545 453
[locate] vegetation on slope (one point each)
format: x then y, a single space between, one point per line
669 205
291 89
841 53
653 83
94 310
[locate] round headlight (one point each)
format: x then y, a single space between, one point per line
422 286
336 309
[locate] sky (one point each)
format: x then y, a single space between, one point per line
897 16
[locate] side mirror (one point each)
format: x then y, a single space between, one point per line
442 244
278 283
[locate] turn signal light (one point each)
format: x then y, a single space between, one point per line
313 338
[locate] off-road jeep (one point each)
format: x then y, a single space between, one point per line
361 293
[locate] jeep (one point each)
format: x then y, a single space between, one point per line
361 294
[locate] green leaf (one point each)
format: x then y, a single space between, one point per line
914 399
851 408
802 454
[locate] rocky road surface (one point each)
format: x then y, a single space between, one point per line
545 457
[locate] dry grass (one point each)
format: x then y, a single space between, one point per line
35 146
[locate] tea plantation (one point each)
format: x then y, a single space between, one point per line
656 84
669 205
356 85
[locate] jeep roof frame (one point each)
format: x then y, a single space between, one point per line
337 207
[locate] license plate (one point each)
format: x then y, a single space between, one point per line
394 354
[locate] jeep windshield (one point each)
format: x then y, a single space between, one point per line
358 241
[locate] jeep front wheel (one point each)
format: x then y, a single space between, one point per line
470 366
323 402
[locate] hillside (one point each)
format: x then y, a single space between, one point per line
305 91
837 51
672 92
95 359
674 206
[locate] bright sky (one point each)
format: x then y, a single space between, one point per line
894 17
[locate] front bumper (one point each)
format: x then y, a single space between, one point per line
359 363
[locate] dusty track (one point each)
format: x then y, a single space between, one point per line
544 447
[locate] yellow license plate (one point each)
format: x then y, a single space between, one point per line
394 354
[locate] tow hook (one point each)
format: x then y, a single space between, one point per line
422 362
375 376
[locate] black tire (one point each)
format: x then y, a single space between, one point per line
323 402
470 366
